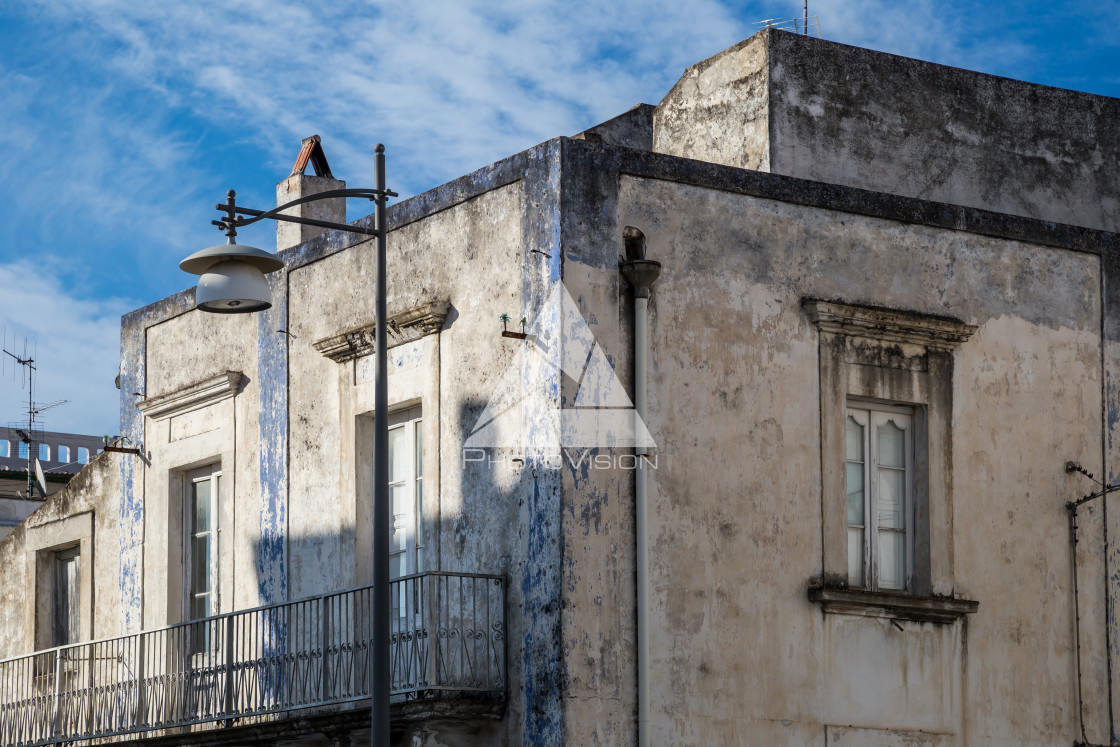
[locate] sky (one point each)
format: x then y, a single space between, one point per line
124 122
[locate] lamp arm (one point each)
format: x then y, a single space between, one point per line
231 209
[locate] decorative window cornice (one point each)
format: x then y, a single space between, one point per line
403 327
887 325
192 397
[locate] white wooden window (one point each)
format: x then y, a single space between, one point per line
406 495
879 467
200 553
406 490
65 606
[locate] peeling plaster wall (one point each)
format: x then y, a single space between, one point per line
738 650
719 110
290 438
91 499
815 109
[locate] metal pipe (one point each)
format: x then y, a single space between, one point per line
379 685
641 273
641 343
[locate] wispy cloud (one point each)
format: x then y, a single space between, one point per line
75 343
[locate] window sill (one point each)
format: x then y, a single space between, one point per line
892 605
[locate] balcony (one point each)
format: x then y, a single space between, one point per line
266 665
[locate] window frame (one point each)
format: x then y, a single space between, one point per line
409 421
213 474
878 415
59 557
901 358
42 541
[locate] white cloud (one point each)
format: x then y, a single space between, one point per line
76 346
926 30
450 86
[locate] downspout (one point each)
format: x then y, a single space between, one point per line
641 273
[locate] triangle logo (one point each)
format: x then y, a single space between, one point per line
519 413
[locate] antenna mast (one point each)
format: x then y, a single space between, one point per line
28 436
805 22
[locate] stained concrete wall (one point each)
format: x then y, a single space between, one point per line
815 109
291 431
740 655
84 513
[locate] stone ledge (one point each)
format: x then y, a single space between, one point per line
892 605
403 327
192 397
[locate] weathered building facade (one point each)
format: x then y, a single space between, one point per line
60 456
882 327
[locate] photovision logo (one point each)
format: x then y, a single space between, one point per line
521 412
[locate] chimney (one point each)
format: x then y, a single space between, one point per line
299 184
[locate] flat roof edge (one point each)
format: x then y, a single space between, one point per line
846 199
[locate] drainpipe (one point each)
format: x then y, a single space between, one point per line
641 273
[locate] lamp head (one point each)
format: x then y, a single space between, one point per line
232 278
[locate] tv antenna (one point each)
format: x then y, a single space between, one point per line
33 411
805 25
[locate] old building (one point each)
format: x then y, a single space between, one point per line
886 319
60 456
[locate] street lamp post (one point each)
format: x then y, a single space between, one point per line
233 282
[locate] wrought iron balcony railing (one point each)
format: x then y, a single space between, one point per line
448 640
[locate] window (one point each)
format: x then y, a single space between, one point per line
64 454
406 495
200 552
22 449
66 596
886 403
879 471
5 449
44 453
83 455
61 585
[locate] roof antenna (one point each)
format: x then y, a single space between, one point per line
805 22
32 435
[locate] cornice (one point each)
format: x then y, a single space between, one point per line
192 397
403 327
887 325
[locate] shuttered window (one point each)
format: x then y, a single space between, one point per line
406 495
201 552
879 468
65 607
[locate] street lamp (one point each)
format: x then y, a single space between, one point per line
233 282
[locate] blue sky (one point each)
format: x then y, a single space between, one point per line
123 122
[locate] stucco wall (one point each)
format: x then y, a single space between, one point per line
719 110
736 507
815 109
293 434
84 512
